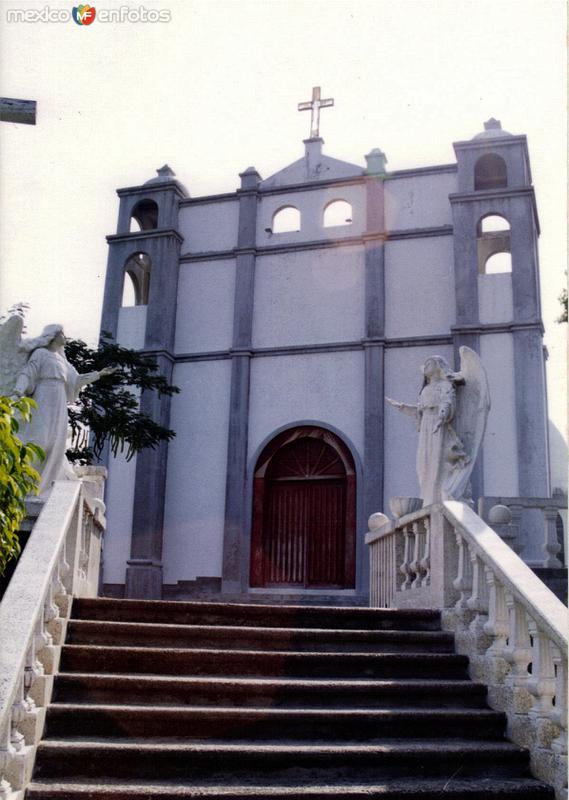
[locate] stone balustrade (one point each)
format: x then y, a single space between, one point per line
511 528
61 560
510 625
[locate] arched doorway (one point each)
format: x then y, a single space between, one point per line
304 512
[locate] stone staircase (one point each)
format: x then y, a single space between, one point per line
163 700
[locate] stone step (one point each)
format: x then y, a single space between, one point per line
199 723
256 638
276 765
136 660
187 613
453 789
283 693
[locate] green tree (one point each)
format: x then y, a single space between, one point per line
108 410
18 477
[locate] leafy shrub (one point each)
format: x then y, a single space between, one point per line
17 475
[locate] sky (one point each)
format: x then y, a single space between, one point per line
215 90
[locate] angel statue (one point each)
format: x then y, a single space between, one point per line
38 368
451 416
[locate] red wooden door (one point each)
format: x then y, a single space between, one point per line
303 519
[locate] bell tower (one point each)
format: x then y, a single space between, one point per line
146 251
496 230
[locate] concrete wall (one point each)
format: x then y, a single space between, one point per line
119 498
204 318
311 205
403 381
119 492
419 286
209 226
195 494
419 201
309 298
495 298
131 326
500 442
326 387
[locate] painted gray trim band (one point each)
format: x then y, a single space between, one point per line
151 188
500 194
310 349
487 144
155 233
498 327
322 244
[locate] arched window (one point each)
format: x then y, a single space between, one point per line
490 172
286 220
304 512
499 262
145 216
338 212
136 280
493 235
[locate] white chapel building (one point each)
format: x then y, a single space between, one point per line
285 311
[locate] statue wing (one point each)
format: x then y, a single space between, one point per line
13 356
473 402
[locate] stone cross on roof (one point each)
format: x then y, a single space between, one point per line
314 106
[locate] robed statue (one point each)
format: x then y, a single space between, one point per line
39 369
451 415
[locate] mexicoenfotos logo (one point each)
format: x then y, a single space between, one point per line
84 15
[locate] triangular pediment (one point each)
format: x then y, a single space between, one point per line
313 166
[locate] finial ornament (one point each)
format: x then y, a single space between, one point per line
314 107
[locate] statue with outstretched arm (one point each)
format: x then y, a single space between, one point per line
38 368
451 415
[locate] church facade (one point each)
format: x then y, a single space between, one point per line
285 311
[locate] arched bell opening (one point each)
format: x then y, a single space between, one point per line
136 285
144 216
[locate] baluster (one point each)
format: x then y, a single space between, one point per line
518 652
463 581
50 608
426 560
542 682
478 601
497 625
61 595
17 716
551 546
83 552
65 570
391 580
415 565
406 565
559 714
49 632
32 670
